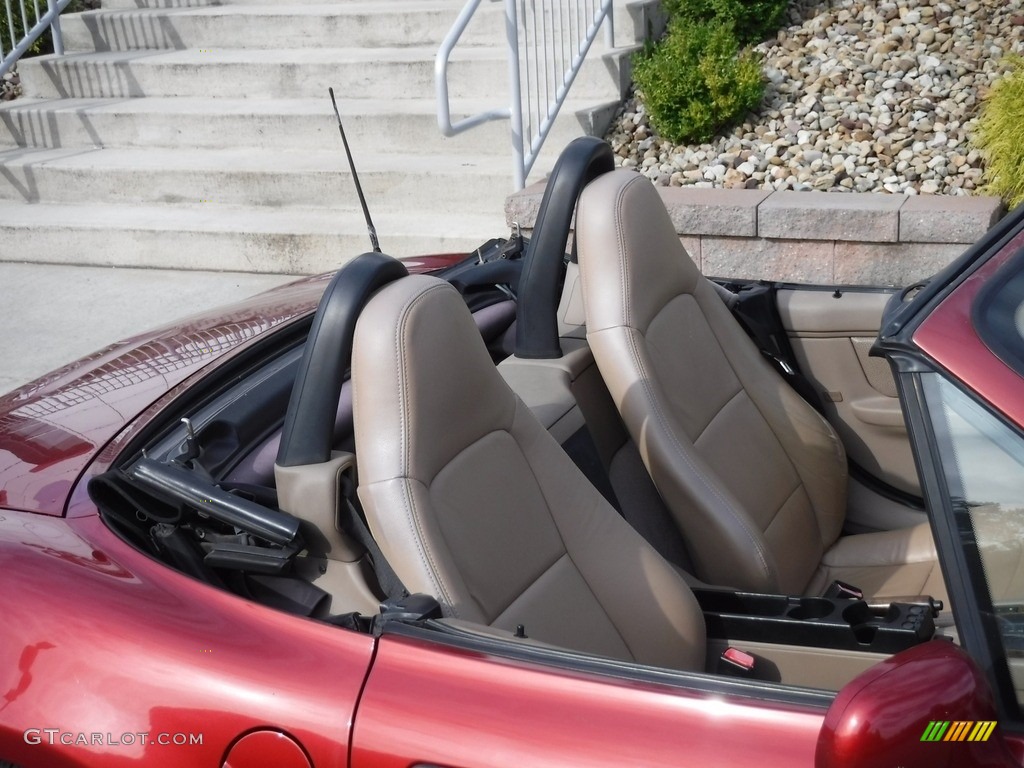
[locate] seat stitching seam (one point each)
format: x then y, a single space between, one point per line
782 505
565 548
620 237
794 465
744 525
833 437
717 414
426 557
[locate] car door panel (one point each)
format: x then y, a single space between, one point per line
831 334
429 703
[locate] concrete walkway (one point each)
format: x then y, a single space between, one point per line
53 314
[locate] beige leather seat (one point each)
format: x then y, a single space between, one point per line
472 501
755 477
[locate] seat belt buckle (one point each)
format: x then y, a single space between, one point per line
840 590
736 663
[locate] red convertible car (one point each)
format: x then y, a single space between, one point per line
530 507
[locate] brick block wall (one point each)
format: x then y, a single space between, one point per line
812 237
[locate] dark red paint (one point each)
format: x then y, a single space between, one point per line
102 640
948 336
879 718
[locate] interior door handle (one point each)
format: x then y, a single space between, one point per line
879 411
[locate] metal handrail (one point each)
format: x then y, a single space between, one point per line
43 22
547 43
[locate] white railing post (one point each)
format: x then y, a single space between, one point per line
58 38
444 117
50 19
538 51
516 100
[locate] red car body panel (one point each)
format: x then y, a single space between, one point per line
882 711
469 709
949 337
104 640
138 648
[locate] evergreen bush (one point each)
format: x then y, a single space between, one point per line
752 20
696 81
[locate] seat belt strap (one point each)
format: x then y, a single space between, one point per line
354 523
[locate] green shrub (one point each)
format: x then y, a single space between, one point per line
1000 136
696 81
753 20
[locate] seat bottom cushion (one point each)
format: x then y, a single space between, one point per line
884 564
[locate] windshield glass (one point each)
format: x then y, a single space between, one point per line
983 462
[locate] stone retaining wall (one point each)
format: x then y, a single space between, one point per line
812 237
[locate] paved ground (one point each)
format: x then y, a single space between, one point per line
53 314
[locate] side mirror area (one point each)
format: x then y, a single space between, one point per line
926 707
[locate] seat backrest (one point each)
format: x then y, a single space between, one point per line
755 477
471 500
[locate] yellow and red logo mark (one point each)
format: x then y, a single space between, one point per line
958 730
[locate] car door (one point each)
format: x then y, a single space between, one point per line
820 339
958 350
434 699
831 332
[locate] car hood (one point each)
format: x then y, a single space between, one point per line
51 429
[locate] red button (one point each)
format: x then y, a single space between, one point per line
739 658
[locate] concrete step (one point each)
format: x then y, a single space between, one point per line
133 5
372 125
281 25
634 21
256 177
286 241
381 73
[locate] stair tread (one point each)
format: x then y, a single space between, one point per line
241 106
328 160
223 218
410 54
275 8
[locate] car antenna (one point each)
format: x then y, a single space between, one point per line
355 177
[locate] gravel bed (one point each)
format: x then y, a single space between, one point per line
10 86
860 96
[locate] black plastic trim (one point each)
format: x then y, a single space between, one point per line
176 484
885 490
581 162
308 432
961 567
271 345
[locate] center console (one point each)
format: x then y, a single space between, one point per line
820 622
